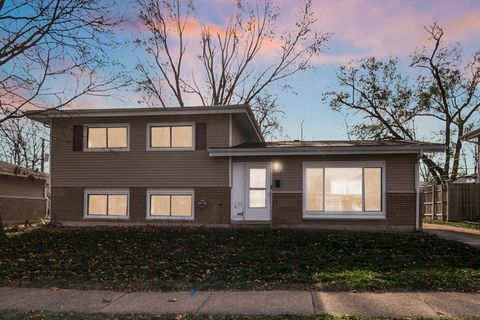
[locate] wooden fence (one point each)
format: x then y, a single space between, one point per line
434 200
452 202
464 202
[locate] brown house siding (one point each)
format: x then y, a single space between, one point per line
400 169
238 135
138 167
22 199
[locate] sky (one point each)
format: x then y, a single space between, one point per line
360 28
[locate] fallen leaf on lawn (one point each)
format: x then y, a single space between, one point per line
107 300
172 300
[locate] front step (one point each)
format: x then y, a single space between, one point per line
251 224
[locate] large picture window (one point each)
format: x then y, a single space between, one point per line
101 203
176 204
106 137
170 137
343 189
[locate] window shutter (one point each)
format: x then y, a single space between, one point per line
201 136
78 137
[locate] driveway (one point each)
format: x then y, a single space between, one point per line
467 236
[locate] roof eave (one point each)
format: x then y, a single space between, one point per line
323 151
46 117
471 135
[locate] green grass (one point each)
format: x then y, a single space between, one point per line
45 315
222 259
465 225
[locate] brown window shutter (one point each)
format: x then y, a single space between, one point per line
201 136
78 137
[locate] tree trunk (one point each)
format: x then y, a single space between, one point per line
2 229
448 151
456 157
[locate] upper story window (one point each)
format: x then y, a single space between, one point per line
107 137
178 136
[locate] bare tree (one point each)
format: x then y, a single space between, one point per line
391 105
268 114
449 91
23 142
52 52
228 70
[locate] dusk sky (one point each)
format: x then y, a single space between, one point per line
360 28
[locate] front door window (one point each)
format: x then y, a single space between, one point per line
257 192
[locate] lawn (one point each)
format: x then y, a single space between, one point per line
222 259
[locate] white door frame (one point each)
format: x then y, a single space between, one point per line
258 214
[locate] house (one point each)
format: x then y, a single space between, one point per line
23 194
474 137
212 166
470 178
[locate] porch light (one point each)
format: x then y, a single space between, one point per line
277 166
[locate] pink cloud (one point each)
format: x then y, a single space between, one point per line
384 28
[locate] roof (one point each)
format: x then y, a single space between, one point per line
296 147
242 113
471 135
9 169
471 178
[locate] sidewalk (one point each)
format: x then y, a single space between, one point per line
400 304
467 236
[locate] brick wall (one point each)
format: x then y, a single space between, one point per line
400 214
67 206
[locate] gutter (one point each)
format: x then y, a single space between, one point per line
417 191
227 152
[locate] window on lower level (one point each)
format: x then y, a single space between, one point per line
170 204
106 203
343 188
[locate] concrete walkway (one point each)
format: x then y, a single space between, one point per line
401 304
467 236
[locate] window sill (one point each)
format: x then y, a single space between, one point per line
170 149
106 149
150 218
106 218
344 216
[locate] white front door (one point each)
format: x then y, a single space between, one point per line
257 192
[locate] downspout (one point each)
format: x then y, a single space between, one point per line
417 190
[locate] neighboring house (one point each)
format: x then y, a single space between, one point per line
22 194
211 166
471 178
474 137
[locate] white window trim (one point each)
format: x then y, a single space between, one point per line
105 125
170 124
87 192
170 192
344 214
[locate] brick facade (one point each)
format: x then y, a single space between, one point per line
67 208
400 214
